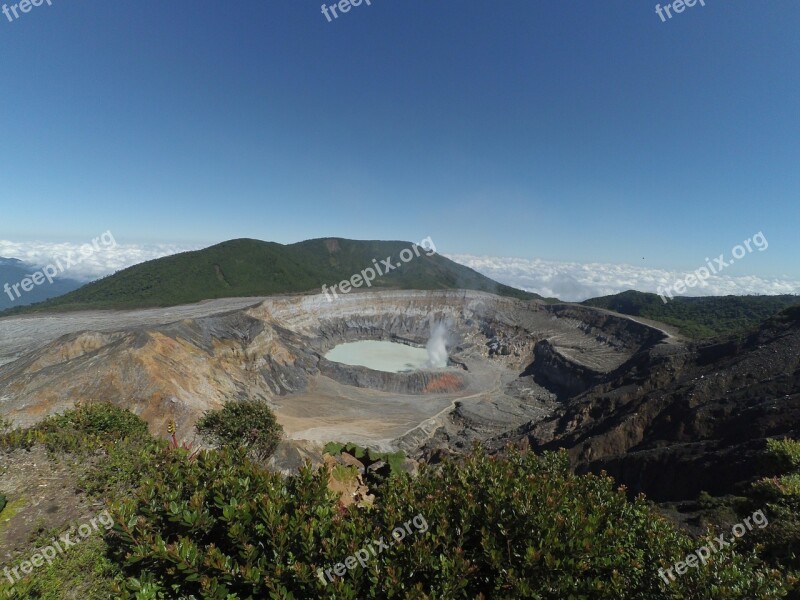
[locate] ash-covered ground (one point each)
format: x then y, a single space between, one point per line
511 363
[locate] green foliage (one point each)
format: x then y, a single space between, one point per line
83 571
785 452
344 473
118 467
19 438
3 502
243 424
11 509
88 426
395 460
788 315
779 498
517 527
13 438
218 525
79 430
698 317
246 267
112 452
111 445
356 451
333 448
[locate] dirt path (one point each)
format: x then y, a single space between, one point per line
41 496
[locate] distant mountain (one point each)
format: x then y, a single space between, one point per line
247 267
702 317
13 271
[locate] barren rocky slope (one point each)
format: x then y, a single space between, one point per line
677 420
511 362
662 416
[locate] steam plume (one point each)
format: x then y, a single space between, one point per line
437 347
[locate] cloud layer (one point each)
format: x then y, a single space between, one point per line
575 282
569 281
104 261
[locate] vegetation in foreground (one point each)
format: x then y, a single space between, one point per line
367 456
247 425
705 317
215 524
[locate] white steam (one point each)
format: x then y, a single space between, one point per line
437 347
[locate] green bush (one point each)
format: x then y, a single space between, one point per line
110 446
88 427
110 452
779 498
395 460
218 525
785 453
516 527
12 439
333 448
247 424
81 572
3 502
80 430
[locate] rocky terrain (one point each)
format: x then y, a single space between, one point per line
512 362
661 415
680 419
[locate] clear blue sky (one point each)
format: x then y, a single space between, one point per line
578 130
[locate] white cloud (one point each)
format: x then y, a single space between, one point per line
103 261
568 281
575 282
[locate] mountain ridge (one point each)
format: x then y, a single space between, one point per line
247 267
698 317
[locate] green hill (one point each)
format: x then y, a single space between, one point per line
246 267
702 317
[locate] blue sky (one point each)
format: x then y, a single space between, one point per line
566 130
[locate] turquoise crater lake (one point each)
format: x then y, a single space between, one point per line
390 357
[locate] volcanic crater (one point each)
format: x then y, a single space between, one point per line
510 362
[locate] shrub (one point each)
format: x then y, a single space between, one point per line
80 430
779 498
248 424
333 448
89 426
516 527
395 460
3 502
111 446
97 418
81 572
111 452
14 438
785 453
